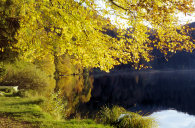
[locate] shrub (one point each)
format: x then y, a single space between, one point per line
2 70
110 116
134 120
120 118
55 106
24 75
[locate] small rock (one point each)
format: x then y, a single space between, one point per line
1 94
15 88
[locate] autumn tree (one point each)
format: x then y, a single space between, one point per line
8 28
161 16
50 28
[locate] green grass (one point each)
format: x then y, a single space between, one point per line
27 111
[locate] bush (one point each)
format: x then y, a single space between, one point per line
134 120
120 118
55 106
110 116
2 70
24 75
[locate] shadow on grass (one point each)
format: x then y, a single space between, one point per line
27 110
37 102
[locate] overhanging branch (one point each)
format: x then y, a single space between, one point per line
118 5
121 7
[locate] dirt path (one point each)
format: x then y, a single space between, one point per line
6 122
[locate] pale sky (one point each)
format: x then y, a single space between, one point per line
183 19
188 18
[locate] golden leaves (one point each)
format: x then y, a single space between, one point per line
65 27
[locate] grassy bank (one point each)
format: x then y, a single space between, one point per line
120 118
37 105
17 112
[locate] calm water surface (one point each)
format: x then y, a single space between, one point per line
162 94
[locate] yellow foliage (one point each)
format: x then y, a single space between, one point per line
56 27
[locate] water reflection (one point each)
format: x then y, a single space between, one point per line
148 92
75 90
145 91
174 119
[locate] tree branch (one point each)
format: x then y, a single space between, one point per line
126 9
118 5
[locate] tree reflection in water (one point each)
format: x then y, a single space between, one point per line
148 91
137 91
74 90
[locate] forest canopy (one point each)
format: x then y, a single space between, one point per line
38 29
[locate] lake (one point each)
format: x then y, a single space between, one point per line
169 96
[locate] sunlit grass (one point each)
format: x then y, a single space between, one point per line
28 110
